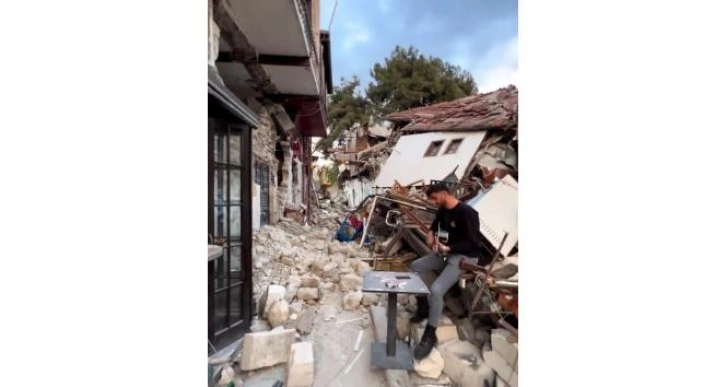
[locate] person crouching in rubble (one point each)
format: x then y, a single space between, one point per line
453 237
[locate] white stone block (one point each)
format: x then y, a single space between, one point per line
505 344
494 361
431 366
274 293
464 365
265 349
301 367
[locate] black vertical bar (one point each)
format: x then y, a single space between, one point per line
210 301
210 229
246 226
228 315
391 335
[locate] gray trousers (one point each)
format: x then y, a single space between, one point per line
449 276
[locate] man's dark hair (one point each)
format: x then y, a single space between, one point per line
432 189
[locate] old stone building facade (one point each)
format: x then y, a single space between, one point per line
265 164
276 166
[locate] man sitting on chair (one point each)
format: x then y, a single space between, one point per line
454 236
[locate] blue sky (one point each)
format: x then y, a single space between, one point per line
478 35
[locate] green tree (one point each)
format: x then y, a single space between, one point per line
345 108
408 80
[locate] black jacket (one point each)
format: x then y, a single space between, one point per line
462 224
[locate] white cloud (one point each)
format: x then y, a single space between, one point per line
498 67
354 34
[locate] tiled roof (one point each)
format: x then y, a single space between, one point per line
495 110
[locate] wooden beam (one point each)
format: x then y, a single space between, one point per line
284 60
271 60
242 49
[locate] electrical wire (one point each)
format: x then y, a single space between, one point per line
330 24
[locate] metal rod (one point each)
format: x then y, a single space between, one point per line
352 363
480 292
357 342
368 222
506 284
391 334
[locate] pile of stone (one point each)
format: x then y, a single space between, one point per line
278 347
467 355
299 269
295 266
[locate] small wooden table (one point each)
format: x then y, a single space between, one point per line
393 354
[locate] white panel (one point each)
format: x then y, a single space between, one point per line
407 163
292 79
498 213
272 26
356 190
256 205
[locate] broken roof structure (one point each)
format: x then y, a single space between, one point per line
493 116
495 110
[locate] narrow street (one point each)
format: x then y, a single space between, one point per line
362 232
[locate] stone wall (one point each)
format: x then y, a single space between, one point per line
264 138
213 34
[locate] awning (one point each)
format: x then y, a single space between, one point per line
218 90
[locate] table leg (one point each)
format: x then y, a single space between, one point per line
391 335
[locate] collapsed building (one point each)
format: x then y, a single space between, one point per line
470 142
470 145
313 321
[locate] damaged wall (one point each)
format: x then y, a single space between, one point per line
213 34
264 139
355 190
408 164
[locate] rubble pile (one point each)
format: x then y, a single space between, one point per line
307 277
303 264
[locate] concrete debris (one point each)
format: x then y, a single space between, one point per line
330 271
293 284
430 367
306 321
278 314
369 299
274 293
310 281
362 267
464 365
265 349
350 282
495 361
505 344
227 376
301 366
352 300
308 294
297 307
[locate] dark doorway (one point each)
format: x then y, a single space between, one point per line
262 177
230 226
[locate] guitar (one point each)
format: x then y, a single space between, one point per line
441 236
